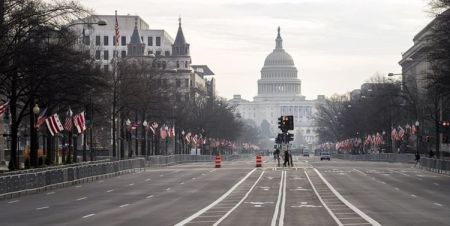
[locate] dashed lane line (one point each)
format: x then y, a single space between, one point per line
283 202
42 208
351 206
239 203
124 205
111 190
150 196
82 198
14 201
412 195
89 215
51 193
221 198
437 204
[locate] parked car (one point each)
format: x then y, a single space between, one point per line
306 153
325 155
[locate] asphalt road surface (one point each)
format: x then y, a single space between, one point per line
313 192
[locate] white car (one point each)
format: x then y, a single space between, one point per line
325 155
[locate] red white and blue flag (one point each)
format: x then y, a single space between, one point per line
116 32
54 125
3 108
41 119
68 124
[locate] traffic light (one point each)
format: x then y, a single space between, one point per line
280 123
289 122
289 137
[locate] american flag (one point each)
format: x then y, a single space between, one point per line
54 125
117 32
41 119
3 108
68 123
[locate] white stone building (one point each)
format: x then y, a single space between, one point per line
279 93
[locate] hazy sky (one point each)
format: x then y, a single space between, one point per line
336 44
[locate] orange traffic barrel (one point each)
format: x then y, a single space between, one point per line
258 161
218 161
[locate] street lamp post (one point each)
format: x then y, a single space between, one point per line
144 147
417 124
34 142
128 137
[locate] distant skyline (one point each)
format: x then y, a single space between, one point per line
336 44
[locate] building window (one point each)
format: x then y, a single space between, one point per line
97 40
158 41
106 68
186 82
142 39
105 40
178 83
164 64
124 40
167 53
185 64
124 53
97 54
178 64
106 55
150 52
186 96
158 53
86 40
150 41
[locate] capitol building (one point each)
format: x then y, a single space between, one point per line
279 93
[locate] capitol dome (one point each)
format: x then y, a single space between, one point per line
278 57
279 74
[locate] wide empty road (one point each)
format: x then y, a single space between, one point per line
311 193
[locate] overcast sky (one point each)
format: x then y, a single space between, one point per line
336 44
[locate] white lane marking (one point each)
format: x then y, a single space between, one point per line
41 208
101 181
323 202
124 205
161 175
193 178
351 206
212 170
200 212
78 186
436 184
150 196
131 185
13 201
168 189
182 183
398 189
437 204
404 174
110 190
148 179
412 195
283 202
277 206
51 193
82 198
89 215
239 203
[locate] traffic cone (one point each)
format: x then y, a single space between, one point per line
258 161
218 161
